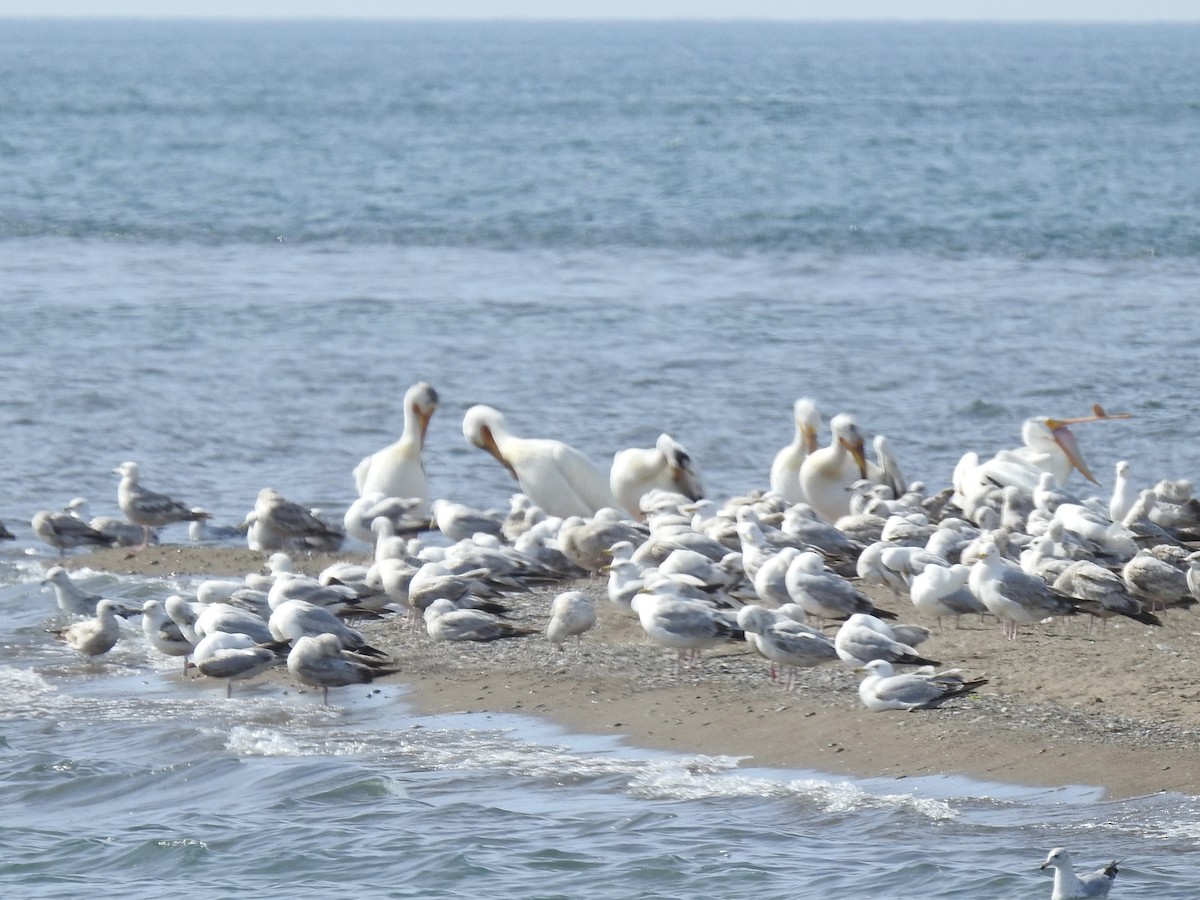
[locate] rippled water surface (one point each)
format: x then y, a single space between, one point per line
226 251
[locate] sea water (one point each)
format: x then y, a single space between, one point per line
226 251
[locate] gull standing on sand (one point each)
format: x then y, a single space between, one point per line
685 626
1011 595
64 531
93 637
571 614
784 641
882 689
554 475
397 470
147 508
446 622
785 468
824 594
666 466
828 474
322 662
278 515
1069 886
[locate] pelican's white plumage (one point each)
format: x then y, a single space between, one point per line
785 468
828 473
397 469
666 466
554 475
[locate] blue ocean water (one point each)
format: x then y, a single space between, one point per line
226 251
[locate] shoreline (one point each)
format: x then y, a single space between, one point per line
1116 709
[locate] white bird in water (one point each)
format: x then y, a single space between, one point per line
1069 886
93 637
234 657
785 467
163 634
882 689
571 614
397 470
147 508
320 661
666 466
71 598
827 475
554 475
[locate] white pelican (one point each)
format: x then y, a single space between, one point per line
882 689
553 475
785 468
397 470
147 508
1068 885
828 473
667 466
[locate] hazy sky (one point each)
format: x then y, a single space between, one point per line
1008 10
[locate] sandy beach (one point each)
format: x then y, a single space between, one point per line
1118 707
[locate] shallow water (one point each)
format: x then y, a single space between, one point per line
227 251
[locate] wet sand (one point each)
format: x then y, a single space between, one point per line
1117 708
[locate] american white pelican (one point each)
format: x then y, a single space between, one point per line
149 509
882 689
785 468
1069 886
397 469
828 473
555 476
666 466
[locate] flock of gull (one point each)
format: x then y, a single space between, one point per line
782 570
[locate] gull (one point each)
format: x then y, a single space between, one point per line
360 515
459 522
824 594
66 532
230 619
233 656
147 508
554 475
294 586
939 591
72 599
862 638
637 471
397 469
1101 592
882 689
885 470
571 614
321 661
587 543
93 637
183 614
785 467
686 626
120 532
1156 583
280 516
1069 886
294 619
446 622
784 641
625 576
828 473
163 634
1011 595
1124 493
